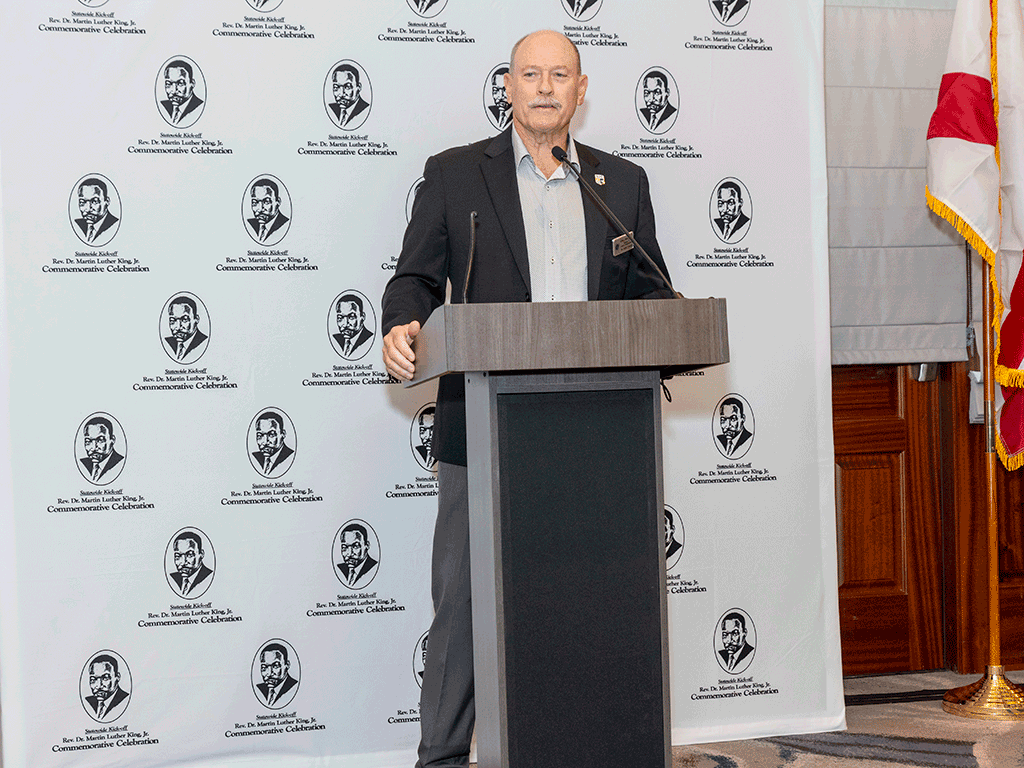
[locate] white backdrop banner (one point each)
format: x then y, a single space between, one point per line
217 514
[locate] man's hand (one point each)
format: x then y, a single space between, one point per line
398 354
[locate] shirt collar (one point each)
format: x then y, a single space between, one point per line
521 154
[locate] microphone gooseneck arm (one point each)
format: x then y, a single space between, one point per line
472 252
559 154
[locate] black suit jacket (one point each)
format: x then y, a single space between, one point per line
669 111
105 223
482 177
362 337
289 683
187 108
282 456
279 221
360 106
172 345
745 651
501 119
201 575
368 565
745 434
119 695
719 5
742 220
115 459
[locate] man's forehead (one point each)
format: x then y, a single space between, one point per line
546 47
177 73
261 190
186 544
266 424
350 306
344 76
272 655
96 429
102 666
181 308
90 190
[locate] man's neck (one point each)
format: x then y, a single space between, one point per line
539 145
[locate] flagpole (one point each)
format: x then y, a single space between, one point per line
993 697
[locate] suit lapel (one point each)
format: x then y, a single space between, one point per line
596 224
498 168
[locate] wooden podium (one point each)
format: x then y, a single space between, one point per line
567 531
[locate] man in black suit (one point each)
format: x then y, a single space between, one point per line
186 342
101 458
426 433
109 700
727 10
732 223
579 6
277 680
266 210
94 205
501 109
734 640
357 567
348 100
499 178
181 101
671 545
273 457
192 574
656 93
734 430
353 337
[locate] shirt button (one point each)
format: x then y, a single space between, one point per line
552 261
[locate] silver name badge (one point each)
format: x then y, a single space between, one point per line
621 245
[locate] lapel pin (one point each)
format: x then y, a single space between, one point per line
599 178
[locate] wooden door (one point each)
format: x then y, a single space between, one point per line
887 442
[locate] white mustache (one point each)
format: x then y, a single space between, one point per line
545 102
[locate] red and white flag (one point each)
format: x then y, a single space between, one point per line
976 179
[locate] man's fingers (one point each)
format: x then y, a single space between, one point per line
398 354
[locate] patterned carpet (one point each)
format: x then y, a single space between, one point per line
891 720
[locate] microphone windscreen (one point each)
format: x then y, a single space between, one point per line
559 154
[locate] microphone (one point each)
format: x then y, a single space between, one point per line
560 155
472 252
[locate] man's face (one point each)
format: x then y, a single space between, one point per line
353 548
103 680
731 420
669 531
426 430
98 442
273 668
346 89
187 557
350 319
733 635
182 321
265 204
498 94
545 85
269 436
655 94
178 85
728 204
92 203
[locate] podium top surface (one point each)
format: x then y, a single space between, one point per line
572 335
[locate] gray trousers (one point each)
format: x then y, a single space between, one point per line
447 712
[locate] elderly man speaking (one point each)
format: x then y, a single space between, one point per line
538 239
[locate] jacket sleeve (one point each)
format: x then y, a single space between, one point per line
642 282
421 275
